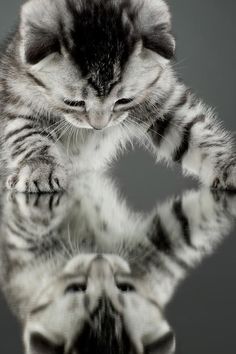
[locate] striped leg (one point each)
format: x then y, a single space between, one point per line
30 225
33 159
184 231
189 134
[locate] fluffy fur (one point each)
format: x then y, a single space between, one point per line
85 274
79 79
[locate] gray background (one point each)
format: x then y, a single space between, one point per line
203 312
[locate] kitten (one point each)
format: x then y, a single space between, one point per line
80 79
85 274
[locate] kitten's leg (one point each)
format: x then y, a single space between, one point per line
33 158
187 229
188 133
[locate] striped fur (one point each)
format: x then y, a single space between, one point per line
187 132
52 243
72 69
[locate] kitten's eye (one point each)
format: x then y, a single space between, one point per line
76 288
125 287
124 101
71 103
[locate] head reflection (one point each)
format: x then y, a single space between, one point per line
85 274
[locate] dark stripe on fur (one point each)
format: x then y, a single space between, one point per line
31 118
18 151
18 233
180 262
183 100
50 181
159 128
20 130
44 150
100 38
11 116
37 187
57 182
31 153
184 146
183 220
23 147
159 237
25 136
32 133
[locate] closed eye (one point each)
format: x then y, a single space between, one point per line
125 287
124 101
76 288
74 103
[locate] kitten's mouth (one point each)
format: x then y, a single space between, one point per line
96 125
84 124
95 128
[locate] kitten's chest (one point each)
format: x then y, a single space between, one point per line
88 149
80 141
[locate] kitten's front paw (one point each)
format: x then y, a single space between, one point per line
36 176
46 209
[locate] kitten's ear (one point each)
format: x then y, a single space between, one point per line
164 345
38 344
159 40
153 20
38 31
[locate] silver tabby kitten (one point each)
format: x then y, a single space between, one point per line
76 67
86 274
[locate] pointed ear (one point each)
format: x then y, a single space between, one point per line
38 30
38 344
159 40
153 20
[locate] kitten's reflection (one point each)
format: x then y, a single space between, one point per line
85 274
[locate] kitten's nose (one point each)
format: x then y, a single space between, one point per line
99 121
100 269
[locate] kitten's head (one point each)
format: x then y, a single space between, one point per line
96 306
95 60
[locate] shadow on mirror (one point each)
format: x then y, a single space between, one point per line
85 274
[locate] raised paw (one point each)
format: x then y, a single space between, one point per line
38 177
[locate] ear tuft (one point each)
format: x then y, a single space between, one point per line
159 40
41 345
39 45
38 30
153 21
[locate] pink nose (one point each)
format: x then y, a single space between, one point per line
98 121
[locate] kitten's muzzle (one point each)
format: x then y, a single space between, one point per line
99 120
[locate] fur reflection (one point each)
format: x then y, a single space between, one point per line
86 274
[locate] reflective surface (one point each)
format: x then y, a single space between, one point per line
202 310
83 272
